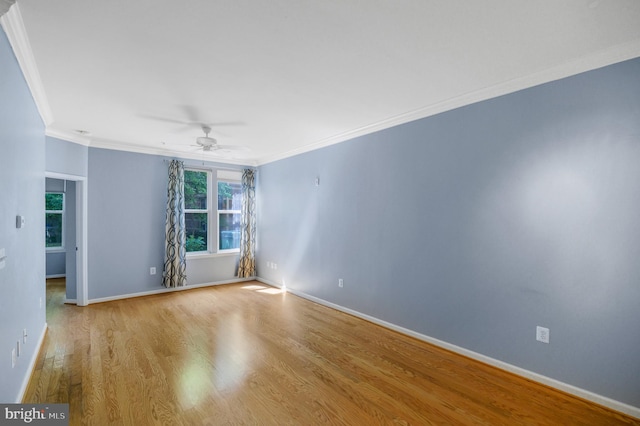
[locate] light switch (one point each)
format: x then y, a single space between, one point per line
19 221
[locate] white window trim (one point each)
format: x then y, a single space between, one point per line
228 177
207 255
61 248
231 176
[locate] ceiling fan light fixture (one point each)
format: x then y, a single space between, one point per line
205 141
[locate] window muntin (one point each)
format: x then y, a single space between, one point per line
229 206
54 220
196 202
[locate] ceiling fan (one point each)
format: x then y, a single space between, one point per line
209 144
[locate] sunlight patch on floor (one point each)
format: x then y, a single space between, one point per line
265 289
253 287
271 291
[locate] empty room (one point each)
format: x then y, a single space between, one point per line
320 212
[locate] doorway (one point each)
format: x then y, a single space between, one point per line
76 256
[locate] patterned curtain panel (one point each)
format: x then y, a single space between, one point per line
175 253
247 264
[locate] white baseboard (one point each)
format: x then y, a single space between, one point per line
32 364
167 290
548 381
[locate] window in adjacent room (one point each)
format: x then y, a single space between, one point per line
54 220
196 203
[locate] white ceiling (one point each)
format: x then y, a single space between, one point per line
286 76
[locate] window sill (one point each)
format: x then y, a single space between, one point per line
210 255
55 250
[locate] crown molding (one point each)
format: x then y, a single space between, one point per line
69 137
140 149
5 5
569 68
17 35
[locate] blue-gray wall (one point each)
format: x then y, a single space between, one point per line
22 164
56 263
66 157
476 225
127 202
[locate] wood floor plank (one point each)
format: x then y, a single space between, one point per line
236 355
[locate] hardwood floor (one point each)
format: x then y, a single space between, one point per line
244 354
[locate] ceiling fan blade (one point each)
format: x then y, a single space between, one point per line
190 125
191 113
164 119
226 123
192 120
195 118
185 125
233 148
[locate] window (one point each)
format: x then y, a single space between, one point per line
54 220
229 205
196 217
206 221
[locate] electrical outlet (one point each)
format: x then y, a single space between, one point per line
340 282
542 334
13 357
152 270
18 348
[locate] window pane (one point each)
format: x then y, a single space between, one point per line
53 231
53 201
229 231
195 190
196 227
229 196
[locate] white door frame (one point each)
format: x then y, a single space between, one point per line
82 292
